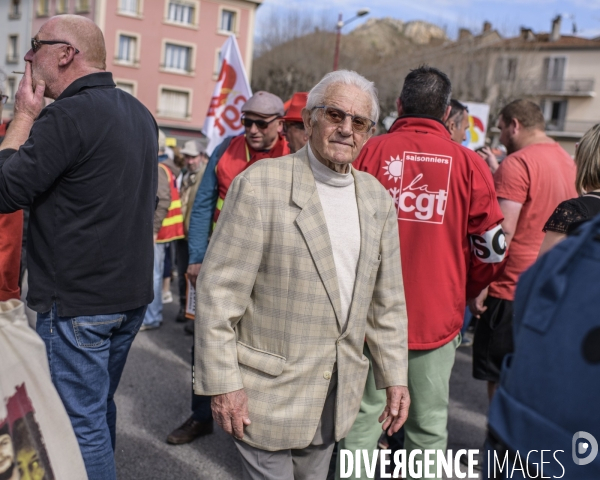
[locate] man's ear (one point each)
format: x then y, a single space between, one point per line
399 107
67 55
450 126
447 113
307 119
515 126
279 126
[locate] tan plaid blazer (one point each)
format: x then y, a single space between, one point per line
268 305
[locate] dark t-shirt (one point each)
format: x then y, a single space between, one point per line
572 213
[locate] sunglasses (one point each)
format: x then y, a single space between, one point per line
336 116
288 125
37 44
262 124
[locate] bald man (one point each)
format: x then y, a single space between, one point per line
86 165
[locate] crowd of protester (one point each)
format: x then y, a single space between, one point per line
333 267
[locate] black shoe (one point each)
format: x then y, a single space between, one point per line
189 327
180 318
189 431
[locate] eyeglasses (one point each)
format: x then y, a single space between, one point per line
288 125
262 124
3 99
37 44
336 116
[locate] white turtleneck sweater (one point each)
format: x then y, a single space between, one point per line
338 199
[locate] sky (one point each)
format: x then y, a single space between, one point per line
505 15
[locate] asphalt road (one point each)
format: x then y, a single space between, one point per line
154 398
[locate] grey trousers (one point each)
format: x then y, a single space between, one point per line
309 463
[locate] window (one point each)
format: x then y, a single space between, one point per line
178 57
61 6
15 9
555 112
506 69
128 87
12 49
554 73
174 103
218 63
82 6
11 89
129 7
127 52
43 10
228 21
181 12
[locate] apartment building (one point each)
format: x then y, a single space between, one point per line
165 52
15 34
559 72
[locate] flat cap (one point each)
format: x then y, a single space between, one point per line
264 103
193 148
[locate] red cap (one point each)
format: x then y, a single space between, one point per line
297 103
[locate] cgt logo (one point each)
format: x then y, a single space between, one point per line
585 448
424 178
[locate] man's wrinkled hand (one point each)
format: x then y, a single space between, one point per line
395 412
193 271
476 305
230 410
29 99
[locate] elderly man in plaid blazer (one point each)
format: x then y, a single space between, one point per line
302 269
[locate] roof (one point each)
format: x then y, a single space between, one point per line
541 41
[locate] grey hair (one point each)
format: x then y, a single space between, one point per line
316 96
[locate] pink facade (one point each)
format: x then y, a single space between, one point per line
165 52
44 9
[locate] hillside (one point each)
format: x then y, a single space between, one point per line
296 65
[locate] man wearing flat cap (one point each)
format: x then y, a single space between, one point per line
302 268
261 117
195 158
293 126
263 125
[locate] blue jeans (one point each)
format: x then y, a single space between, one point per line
87 355
154 313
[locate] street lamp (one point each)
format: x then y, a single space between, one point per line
341 24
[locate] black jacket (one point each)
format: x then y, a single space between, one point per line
89 173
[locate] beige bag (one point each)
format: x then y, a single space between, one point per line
34 425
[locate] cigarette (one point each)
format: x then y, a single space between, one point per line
19 73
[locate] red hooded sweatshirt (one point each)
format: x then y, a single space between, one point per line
451 242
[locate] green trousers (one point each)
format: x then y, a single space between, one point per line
427 425
429 386
366 429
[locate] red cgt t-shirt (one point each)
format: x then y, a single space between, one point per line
539 176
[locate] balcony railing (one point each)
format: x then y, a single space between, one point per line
568 86
579 126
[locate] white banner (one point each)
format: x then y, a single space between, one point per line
478 124
231 92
